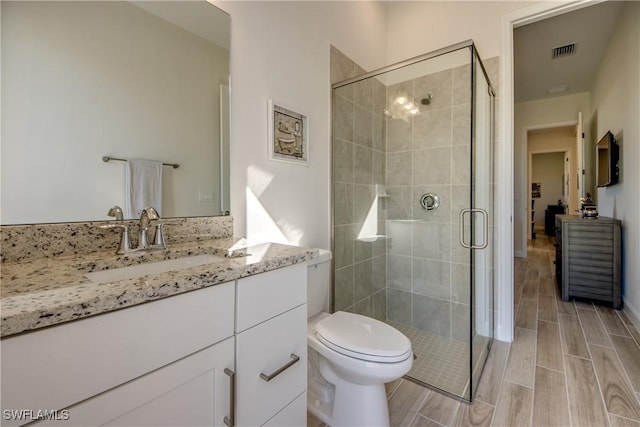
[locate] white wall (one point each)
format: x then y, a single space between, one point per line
61 66
280 50
539 114
616 107
417 27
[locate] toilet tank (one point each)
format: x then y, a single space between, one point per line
318 282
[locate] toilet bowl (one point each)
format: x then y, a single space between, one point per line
351 357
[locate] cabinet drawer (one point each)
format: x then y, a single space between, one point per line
59 366
294 415
266 295
264 349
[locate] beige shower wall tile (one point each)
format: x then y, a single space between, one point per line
399 168
432 166
342 67
431 278
461 164
363 127
461 124
399 203
433 242
439 85
342 161
343 288
362 165
432 129
343 114
343 203
461 84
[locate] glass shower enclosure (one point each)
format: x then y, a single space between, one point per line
412 204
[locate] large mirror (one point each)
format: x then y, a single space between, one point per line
82 80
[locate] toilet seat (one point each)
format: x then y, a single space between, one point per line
363 338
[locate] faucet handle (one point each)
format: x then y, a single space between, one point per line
116 212
125 241
158 240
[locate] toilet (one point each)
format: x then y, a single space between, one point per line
351 357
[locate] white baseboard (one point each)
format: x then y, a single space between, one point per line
632 313
520 254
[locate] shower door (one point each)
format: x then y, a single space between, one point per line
412 209
483 225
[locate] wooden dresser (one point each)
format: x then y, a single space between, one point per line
588 254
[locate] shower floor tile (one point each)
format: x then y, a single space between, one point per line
441 362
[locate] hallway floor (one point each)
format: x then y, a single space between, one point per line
571 364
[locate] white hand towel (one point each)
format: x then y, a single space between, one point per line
142 187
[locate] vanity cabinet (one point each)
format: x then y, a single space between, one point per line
271 347
191 359
57 367
588 254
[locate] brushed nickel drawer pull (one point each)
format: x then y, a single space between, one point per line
294 359
230 421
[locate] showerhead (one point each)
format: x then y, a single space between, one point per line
427 100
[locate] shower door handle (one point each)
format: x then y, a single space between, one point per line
485 228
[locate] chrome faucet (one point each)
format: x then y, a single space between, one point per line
116 212
125 242
147 215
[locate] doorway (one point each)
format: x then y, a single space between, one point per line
552 171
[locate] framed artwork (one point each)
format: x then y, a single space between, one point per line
288 134
535 189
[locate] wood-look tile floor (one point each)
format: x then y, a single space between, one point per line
570 364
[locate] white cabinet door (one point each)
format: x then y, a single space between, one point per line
194 391
277 345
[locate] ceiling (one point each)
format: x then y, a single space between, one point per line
536 72
199 17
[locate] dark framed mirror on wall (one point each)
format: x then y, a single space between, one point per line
607 157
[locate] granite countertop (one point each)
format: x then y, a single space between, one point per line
49 291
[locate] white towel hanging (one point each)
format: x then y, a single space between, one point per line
142 187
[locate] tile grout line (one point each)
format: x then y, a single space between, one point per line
600 388
535 353
626 375
424 399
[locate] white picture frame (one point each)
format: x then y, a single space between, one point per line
288 132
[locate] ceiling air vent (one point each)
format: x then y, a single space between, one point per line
565 50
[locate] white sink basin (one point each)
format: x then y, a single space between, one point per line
122 273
